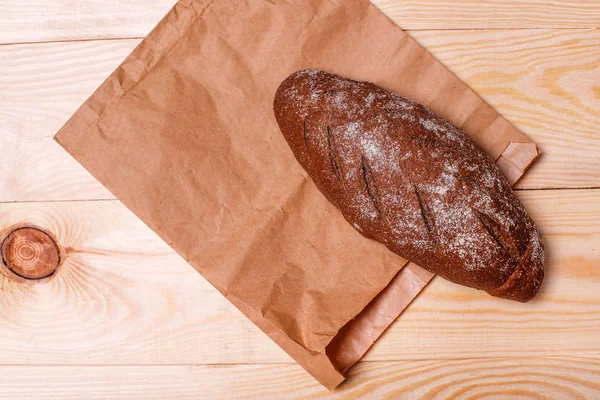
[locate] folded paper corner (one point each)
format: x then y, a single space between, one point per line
516 158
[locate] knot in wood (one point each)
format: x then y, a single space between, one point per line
30 253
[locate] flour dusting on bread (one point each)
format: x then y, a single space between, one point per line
410 179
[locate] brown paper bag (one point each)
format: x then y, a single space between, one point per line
183 133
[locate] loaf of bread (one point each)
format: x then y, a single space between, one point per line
409 179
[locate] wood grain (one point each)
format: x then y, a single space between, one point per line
546 82
123 297
29 21
452 321
38 21
41 86
29 253
491 14
539 378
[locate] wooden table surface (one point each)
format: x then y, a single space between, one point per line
125 317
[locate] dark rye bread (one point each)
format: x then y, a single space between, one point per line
409 179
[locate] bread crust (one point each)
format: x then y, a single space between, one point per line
409 179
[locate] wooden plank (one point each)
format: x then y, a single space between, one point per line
41 86
123 297
491 14
544 81
27 21
554 378
451 321
41 21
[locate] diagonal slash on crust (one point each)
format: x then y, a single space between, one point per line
426 218
337 170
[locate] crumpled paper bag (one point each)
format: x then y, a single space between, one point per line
184 135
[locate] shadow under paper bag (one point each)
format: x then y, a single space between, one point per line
184 135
